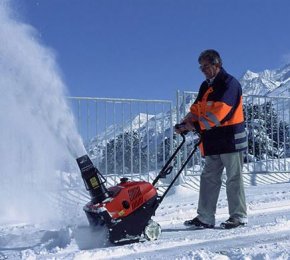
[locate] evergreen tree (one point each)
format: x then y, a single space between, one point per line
125 154
266 135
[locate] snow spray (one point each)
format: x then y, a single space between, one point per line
38 131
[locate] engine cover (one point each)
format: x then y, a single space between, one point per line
128 196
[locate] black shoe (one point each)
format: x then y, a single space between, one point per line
197 223
232 223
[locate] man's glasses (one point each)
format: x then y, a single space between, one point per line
205 67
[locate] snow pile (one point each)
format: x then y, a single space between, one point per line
37 131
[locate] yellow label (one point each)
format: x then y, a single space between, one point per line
94 182
121 213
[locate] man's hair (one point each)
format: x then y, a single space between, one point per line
211 56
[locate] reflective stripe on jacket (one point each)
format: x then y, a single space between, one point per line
217 114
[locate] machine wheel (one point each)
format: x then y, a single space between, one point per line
152 230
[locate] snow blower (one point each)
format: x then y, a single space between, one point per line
126 209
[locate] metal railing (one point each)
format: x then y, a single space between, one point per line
125 137
134 138
267 123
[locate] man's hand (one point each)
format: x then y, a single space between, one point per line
182 128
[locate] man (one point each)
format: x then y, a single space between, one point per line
217 114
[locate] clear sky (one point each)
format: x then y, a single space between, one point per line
149 48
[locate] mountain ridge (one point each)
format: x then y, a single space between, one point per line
272 83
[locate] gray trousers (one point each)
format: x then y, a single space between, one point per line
210 185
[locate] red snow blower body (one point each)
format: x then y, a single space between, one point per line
125 209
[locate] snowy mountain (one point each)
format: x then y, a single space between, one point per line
96 145
135 132
267 83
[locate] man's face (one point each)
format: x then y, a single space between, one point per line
209 70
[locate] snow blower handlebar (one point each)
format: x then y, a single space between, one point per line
167 169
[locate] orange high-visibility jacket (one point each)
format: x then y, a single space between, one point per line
217 114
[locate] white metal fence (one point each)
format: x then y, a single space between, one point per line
125 137
267 123
134 138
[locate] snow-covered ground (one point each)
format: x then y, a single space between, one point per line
267 235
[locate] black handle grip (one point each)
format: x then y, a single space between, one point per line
180 127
